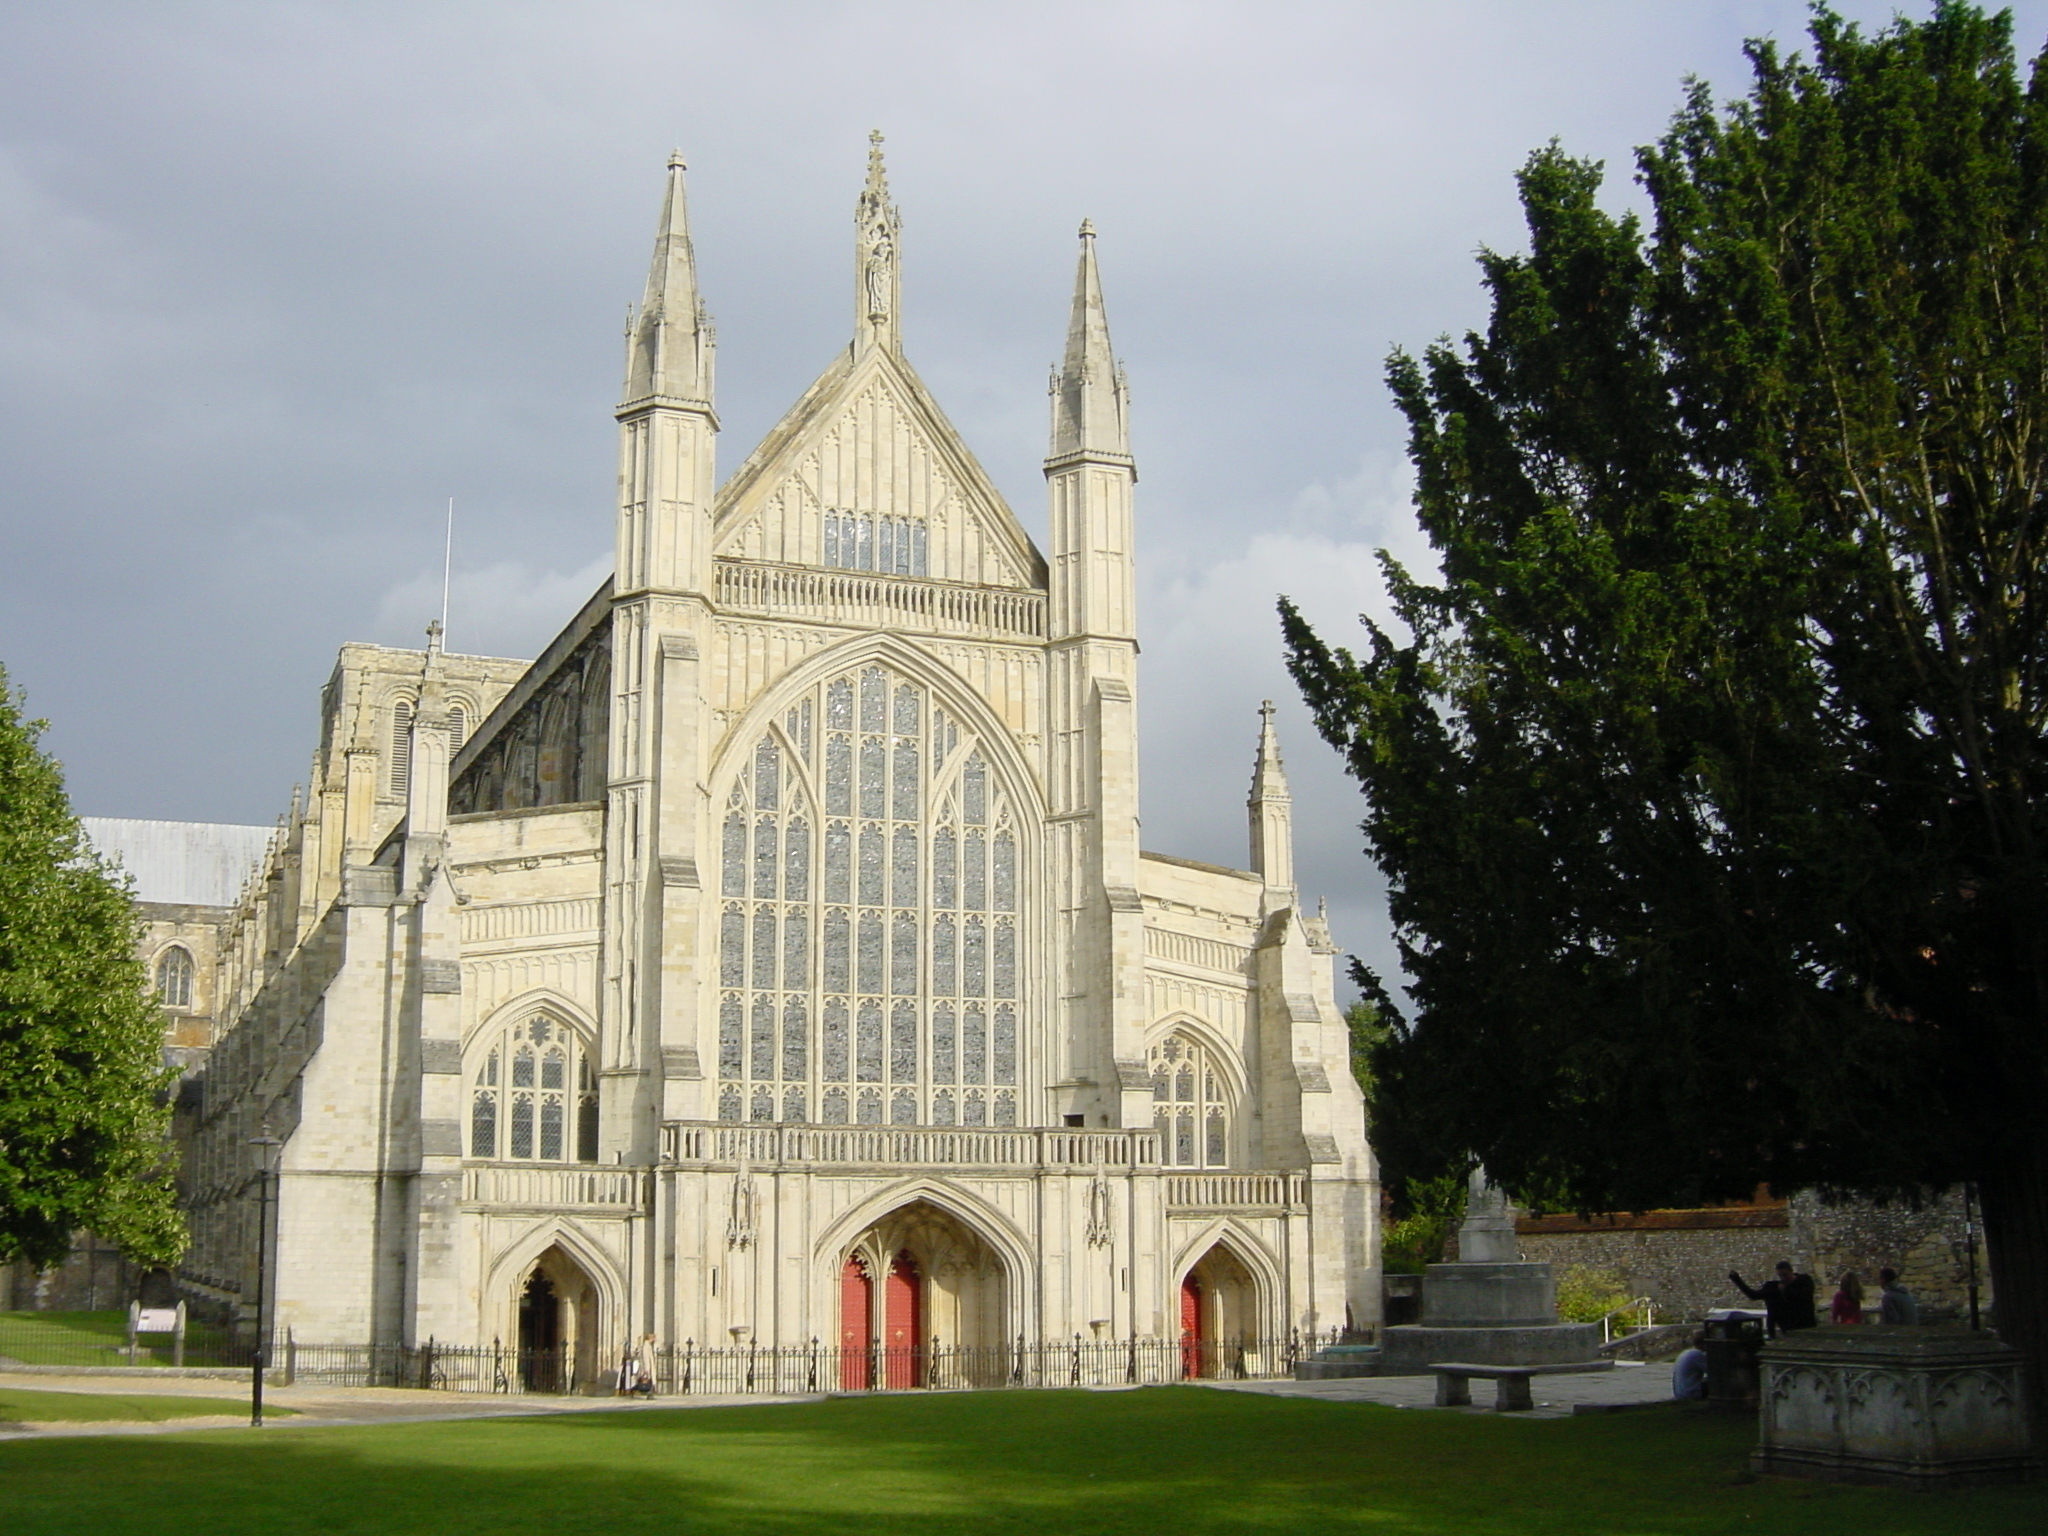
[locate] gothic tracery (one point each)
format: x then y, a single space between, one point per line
868 942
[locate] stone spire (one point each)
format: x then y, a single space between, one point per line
1271 810
877 274
669 344
1090 400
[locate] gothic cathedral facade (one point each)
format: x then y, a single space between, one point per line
783 928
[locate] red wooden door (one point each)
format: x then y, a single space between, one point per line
1191 1326
902 1323
856 1327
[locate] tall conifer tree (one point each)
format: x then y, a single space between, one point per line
82 1110
1709 779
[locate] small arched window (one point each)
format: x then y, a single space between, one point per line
458 728
174 977
401 747
533 1095
1189 1105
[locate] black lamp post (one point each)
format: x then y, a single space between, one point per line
264 1145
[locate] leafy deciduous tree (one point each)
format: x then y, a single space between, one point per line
1709 779
82 1114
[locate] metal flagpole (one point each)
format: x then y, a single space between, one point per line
447 565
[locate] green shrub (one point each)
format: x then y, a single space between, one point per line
1585 1295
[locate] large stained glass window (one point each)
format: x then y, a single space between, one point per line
871 890
533 1094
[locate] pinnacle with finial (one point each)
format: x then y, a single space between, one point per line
1269 777
1089 403
668 346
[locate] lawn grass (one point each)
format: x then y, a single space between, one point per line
1179 1459
27 1406
93 1338
65 1338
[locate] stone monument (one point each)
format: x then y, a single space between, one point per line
1489 1308
1912 1407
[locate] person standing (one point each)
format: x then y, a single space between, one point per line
1895 1304
1847 1307
1788 1299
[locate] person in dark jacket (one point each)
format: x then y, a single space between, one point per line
1895 1304
1788 1300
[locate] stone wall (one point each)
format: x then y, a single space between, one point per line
1681 1259
95 1278
1924 1244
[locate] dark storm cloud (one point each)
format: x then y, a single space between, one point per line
275 280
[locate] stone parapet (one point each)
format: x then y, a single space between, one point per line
901 1146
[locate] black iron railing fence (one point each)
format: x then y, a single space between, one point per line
793 1369
688 1368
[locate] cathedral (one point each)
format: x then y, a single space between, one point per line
774 958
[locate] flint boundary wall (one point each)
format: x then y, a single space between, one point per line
1681 1259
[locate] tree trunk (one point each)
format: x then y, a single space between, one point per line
2016 1236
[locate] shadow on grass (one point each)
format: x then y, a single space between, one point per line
1168 1459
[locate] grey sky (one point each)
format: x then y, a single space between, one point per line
276 279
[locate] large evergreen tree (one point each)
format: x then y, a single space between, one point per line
82 1113
1709 779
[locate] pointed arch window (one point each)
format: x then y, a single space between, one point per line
872 892
1189 1106
174 977
533 1094
401 747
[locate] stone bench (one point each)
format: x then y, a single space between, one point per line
1510 1392
1511 1382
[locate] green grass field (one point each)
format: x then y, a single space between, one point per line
27 1406
1178 1459
65 1338
91 1338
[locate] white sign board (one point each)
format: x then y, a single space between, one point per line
157 1320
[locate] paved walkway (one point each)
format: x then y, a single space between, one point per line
1628 1385
313 1406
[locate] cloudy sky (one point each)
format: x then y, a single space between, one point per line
277 279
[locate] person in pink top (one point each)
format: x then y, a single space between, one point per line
1847 1306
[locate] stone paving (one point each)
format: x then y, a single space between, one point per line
1626 1386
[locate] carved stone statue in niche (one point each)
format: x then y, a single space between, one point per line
1101 1223
881 264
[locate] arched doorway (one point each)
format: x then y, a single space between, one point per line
1219 1314
558 1325
922 1297
856 1325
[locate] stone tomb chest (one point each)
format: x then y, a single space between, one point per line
1919 1407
